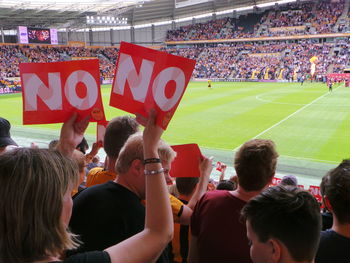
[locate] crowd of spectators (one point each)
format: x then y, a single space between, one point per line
314 17
128 205
293 15
12 55
223 28
270 60
341 57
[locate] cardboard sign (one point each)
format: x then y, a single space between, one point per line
186 163
52 91
101 130
146 78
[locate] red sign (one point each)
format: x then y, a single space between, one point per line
101 130
276 181
186 163
52 91
146 78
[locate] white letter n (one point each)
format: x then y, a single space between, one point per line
34 88
138 83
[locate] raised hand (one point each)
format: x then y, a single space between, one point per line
72 133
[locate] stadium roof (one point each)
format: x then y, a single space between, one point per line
72 13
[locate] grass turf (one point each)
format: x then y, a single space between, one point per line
306 122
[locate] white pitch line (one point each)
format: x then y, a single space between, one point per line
289 116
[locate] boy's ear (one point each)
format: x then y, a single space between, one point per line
137 166
276 249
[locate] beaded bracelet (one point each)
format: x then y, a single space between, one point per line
151 172
151 160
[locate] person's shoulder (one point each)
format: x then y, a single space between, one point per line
331 235
95 170
216 196
96 190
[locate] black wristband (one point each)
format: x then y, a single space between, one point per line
151 160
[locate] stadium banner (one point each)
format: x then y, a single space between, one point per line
339 77
187 160
107 81
76 43
287 28
260 55
83 58
251 39
52 91
101 130
146 78
7 90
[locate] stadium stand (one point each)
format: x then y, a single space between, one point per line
275 59
292 19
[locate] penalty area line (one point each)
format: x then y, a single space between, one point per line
288 117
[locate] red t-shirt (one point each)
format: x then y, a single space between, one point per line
221 235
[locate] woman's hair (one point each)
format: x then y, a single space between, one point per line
32 185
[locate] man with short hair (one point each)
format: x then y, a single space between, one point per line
335 189
283 225
109 213
218 235
5 137
117 132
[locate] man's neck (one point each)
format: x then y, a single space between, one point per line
123 180
244 195
341 229
110 165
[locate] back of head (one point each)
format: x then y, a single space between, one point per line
32 185
79 157
226 185
117 132
5 136
186 185
290 180
336 187
255 164
133 150
83 146
53 144
288 214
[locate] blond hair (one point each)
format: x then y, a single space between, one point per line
133 150
32 185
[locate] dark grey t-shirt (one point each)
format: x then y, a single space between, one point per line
88 257
333 248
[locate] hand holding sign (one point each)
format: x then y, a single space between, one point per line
72 133
147 78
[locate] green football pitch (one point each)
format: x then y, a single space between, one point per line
310 126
